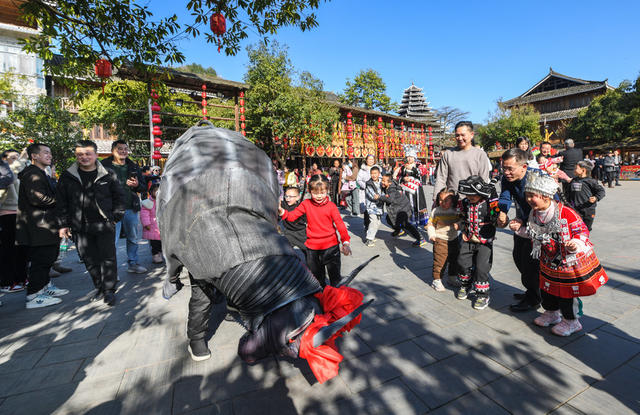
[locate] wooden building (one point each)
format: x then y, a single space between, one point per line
558 98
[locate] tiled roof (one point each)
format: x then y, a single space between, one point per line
542 96
561 115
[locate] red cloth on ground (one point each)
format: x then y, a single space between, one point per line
321 233
336 303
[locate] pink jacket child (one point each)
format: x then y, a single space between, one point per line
150 228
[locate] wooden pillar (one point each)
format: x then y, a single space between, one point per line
242 118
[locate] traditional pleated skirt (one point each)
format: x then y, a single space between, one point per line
581 279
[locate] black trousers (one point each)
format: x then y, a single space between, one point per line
42 258
569 307
319 259
203 296
588 217
14 258
474 263
97 248
367 220
610 176
156 246
528 267
401 221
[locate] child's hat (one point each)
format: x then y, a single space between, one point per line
474 185
542 184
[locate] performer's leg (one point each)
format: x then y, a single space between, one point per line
550 302
199 309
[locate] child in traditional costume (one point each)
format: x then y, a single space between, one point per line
569 268
480 213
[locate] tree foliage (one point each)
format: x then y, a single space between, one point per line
113 111
125 32
45 122
610 118
506 125
282 103
368 90
198 69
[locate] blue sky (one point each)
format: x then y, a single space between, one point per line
465 54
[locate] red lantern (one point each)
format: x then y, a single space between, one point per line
156 131
156 155
218 26
102 69
155 107
156 119
157 143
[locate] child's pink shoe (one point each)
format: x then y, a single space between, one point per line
566 327
548 318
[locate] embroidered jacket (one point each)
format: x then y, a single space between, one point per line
480 219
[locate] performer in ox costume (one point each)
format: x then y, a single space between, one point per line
217 210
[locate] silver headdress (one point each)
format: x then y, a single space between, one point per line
411 150
541 183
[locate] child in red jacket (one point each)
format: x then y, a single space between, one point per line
323 219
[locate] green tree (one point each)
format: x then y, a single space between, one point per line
124 110
368 90
610 118
123 31
278 107
45 122
506 125
198 69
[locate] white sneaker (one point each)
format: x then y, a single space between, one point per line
53 291
136 269
437 285
548 318
566 327
41 300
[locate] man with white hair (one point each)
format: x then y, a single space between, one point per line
571 156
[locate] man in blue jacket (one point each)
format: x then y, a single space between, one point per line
514 180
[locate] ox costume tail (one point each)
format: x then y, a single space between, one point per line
217 213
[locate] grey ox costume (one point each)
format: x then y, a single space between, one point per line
217 212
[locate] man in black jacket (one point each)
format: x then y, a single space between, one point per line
132 183
90 202
36 227
570 157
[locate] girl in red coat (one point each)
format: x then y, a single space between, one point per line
323 219
568 266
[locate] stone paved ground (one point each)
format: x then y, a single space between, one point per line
416 351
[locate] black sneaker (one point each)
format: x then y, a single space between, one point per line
198 350
109 299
